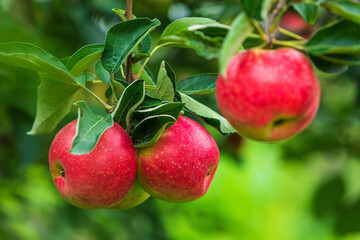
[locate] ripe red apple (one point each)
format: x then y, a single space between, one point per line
98 179
135 197
180 166
269 95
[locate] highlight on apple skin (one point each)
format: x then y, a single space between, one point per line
98 179
180 166
269 95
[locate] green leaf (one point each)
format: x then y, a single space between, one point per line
145 44
34 58
240 29
101 73
200 84
342 59
253 8
89 129
140 56
53 104
207 115
177 28
122 39
149 102
211 29
119 88
183 33
83 58
346 9
149 130
131 98
120 13
308 11
173 109
341 37
165 85
327 66
85 77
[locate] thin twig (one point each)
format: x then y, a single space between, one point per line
129 72
289 33
273 17
104 104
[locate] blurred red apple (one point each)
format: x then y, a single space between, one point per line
269 95
294 22
180 166
98 179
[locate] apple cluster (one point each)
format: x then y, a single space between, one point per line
179 167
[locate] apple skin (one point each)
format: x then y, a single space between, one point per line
268 95
292 21
135 197
98 179
180 166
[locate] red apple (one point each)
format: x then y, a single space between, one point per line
269 95
98 179
292 21
135 197
180 166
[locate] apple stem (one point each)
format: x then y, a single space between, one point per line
259 30
147 60
273 21
129 73
112 87
293 44
104 104
289 33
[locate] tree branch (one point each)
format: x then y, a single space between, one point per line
129 72
273 20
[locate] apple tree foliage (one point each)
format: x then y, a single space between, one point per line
145 105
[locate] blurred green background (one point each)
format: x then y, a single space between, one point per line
305 188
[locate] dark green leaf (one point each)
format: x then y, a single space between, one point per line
89 129
200 84
131 98
207 115
83 58
122 39
101 73
327 66
341 37
342 59
211 29
145 44
149 130
181 33
308 11
53 103
346 9
240 29
140 56
65 60
165 85
34 58
149 102
176 29
253 8
172 109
